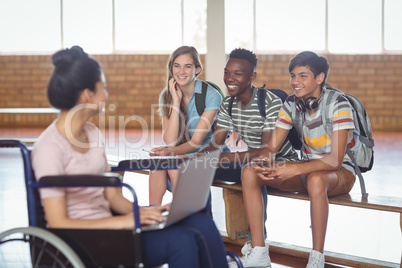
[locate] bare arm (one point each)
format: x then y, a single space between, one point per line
329 162
219 138
202 129
276 139
170 126
118 203
333 160
57 217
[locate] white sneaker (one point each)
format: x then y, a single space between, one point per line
316 260
248 247
254 257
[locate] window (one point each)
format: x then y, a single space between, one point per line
354 29
239 24
160 26
392 25
30 26
194 24
88 24
290 25
148 25
332 26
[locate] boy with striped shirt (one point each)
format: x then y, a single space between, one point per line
326 130
245 119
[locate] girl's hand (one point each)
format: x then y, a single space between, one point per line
176 92
151 215
162 151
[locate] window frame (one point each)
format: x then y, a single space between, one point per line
383 51
326 51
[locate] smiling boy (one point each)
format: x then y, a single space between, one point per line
245 120
326 131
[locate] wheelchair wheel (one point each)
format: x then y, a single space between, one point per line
35 247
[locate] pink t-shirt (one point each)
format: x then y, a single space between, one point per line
53 155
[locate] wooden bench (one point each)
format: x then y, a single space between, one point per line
237 226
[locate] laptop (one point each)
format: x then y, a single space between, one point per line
192 189
154 162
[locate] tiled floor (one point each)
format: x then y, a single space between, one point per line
288 219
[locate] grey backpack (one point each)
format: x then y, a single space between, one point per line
362 153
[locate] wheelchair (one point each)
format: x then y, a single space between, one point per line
39 246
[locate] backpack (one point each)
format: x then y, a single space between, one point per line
293 136
200 97
362 153
363 134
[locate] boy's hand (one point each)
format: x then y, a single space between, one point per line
281 171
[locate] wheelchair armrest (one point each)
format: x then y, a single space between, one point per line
8 143
85 180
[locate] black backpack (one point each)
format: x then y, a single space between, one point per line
261 95
200 97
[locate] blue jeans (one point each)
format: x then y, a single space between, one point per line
233 172
192 242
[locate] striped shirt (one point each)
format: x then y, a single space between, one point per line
317 139
249 125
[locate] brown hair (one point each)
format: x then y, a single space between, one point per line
167 100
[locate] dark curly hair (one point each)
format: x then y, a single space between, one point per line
241 53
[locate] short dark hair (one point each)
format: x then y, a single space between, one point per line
317 64
74 71
241 53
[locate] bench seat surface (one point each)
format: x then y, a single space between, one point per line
384 203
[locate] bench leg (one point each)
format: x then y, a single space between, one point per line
236 220
400 222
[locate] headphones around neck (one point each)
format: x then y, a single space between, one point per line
310 104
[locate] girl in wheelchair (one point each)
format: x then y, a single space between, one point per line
72 145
